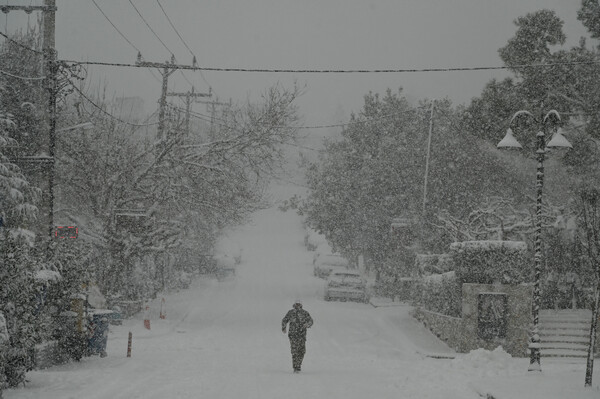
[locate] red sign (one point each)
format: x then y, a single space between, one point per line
66 232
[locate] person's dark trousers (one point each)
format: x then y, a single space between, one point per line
298 346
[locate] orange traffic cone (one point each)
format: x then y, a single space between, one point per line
163 312
147 318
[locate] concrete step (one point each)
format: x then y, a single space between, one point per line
563 353
571 339
565 333
585 315
574 323
565 326
563 345
566 320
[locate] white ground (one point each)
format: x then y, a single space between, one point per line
223 340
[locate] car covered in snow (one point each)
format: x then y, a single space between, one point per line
346 285
325 263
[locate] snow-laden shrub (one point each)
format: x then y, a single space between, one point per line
440 293
488 262
396 288
4 341
396 275
481 362
433 263
18 303
314 240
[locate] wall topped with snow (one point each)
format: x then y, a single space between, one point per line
465 333
488 245
489 262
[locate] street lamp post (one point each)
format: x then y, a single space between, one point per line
558 140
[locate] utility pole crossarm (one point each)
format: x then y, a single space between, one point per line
213 103
166 69
169 68
27 9
188 96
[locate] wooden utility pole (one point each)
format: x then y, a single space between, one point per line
166 69
427 158
189 97
212 105
50 69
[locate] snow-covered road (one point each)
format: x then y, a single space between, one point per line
223 339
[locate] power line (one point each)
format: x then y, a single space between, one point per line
159 39
154 76
114 26
149 27
106 112
175 29
122 35
183 41
224 123
347 71
20 44
21 77
186 79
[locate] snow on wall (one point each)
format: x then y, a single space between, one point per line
438 278
434 263
488 245
487 363
46 275
447 328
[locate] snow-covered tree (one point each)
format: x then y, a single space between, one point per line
16 194
376 172
589 202
17 298
25 99
184 190
17 266
546 76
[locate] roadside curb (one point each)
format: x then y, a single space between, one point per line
442 356
379 303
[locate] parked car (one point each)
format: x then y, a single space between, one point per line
325 263
346 286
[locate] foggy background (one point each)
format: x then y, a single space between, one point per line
309 34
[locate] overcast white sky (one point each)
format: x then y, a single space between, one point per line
309 34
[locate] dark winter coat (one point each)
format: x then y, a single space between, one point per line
299 320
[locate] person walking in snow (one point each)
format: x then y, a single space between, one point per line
299 320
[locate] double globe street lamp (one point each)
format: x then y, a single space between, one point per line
558 140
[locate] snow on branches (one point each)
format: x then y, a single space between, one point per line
16 195
498 219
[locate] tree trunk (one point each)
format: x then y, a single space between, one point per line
593 331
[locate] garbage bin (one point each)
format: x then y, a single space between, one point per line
98 331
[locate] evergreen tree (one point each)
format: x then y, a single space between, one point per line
17 266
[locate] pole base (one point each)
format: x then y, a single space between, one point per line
535 367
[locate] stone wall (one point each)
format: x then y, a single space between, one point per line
447 328
518 318
464 334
